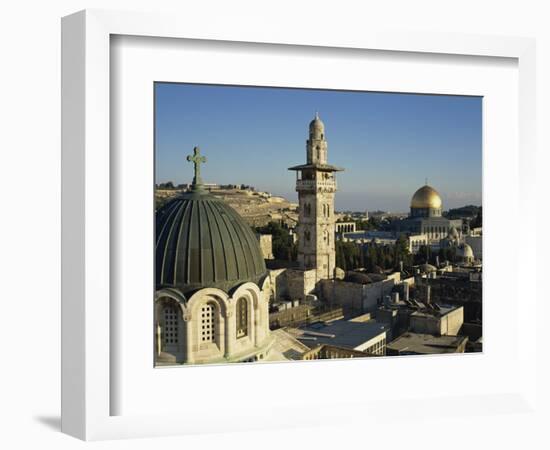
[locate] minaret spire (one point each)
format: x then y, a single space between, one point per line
316 186
197 159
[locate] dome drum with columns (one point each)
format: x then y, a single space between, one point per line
212 288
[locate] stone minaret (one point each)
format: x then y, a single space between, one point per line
316 185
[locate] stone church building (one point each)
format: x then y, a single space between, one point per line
212 288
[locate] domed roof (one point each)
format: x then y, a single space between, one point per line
316 125
357 277
465 251
426 197
427 268
203 242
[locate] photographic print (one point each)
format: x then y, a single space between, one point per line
306 224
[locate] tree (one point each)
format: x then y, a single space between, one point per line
167 185
478 220
282 243
348 255
422 256
402 253
447 254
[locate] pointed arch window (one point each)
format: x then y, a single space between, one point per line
242 318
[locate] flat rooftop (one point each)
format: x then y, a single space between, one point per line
443 310
420 308
286 347
425 344
340 333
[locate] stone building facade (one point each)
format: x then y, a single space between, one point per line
357 298
266 245
212 286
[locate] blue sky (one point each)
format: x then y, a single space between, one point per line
388 143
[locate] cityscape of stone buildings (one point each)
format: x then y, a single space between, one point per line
222 296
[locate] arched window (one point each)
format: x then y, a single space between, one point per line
208 322
242 318
170 332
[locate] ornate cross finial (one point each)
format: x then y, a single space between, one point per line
197 159
317 114
426 181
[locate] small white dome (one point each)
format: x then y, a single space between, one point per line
465 251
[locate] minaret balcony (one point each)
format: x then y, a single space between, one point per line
315 185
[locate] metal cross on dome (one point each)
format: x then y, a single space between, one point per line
197 159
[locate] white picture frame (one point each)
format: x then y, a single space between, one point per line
87 315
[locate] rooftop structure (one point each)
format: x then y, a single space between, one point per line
361 336
286 347
426 344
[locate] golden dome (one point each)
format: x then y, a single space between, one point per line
426 197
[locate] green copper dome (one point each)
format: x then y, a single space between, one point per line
203 242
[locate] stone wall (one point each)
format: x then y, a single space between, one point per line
452 322
358 298
278 283
266 245
447 325
300 283
303 315
326 351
